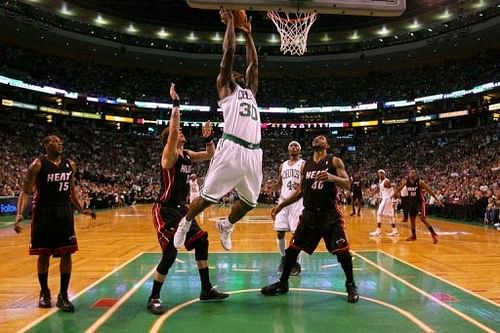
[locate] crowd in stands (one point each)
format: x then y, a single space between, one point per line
96 79
115 168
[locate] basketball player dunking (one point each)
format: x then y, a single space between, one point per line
321 217
288 218
237 163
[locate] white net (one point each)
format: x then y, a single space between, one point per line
293 29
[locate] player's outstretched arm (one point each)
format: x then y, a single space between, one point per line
431 192
169 154
23 200
228 49
252 73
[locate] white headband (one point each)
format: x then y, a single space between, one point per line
381 170
294 142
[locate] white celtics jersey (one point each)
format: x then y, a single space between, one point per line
193 186
290 178
241 118
385 192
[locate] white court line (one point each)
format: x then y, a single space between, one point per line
158 324
179 261
246 270
432 298
102 319
328 266
29 326
180 271
442 279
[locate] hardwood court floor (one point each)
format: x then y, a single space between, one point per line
467 256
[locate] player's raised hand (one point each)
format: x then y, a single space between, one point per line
246 27
206 130
173 93
226 15
17 224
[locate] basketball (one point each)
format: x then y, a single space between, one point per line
240 17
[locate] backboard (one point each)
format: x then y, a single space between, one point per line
342 7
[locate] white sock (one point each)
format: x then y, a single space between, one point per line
281 245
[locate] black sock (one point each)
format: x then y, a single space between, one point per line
42 279
413 232
64 283
205 279
155 293
290 261
346 263
431 229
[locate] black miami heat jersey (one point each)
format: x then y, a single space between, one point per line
319 195
174 188
53 183
414 190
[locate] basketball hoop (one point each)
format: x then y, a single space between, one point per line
293 30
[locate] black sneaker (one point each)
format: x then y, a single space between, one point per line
212 295
352 292
296 269
64 304
282 263
275 289
155 306
44 300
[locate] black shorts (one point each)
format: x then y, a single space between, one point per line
414 207
53 231
166 220
313 226
357 196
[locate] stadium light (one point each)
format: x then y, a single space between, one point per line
65 11
415 25
445 15
325 38
216 37
192 36
162 33
131 29
384 31
273 39
99 20
354 36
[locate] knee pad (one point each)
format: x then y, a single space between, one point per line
201 248
167 260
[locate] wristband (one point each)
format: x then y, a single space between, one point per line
176 103
208 139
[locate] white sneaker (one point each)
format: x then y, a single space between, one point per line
225 229
376 233
181 232
497 225
393 233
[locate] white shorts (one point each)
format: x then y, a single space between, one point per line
288 218
193 195
386 207
233 167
